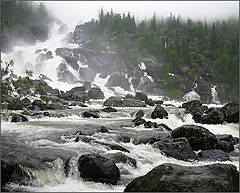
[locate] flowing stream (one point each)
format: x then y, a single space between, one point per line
56 135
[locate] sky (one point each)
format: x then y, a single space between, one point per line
75 12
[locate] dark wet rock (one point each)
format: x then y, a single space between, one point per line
88 114
228 138
126 102
159 112
213 155
213 117
149 102
178 148
95 93
120 157
164 126
39 103
75 103
225 146
150 137
64 74
113 101
158 102
141 96
199 137
192 106
97 168
109 109
75 94
231 111
132 103
130 96
139 114
103 129
116 79
14 117
150 124
138 121
176 178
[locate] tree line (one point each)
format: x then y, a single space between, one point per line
186 47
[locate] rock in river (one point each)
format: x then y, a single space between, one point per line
176 178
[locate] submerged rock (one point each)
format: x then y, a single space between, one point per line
97 168
88 114
199 137
176 178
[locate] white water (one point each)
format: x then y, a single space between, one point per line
35 131
147 157
215 98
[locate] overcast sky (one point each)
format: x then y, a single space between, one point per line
73 12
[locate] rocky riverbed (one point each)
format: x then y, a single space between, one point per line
103 144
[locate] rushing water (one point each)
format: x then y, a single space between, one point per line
55 134
42 133
215 98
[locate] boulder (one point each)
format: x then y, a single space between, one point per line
213 155
225 146
178 148
231 111
159 112
192 106
103 130
120 157
97 168
130 96
213 117
228 138
176 178
150 124
88 114
139 114
113 146
132 103
113 101
109 109
138 121
116 79
164 126
158 102
141 96
75 94
149 102
95 93
199 137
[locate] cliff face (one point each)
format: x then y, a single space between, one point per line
99 54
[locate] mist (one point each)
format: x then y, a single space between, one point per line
75 12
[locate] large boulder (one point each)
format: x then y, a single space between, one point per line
113 101
199 137
231 111
132 103
141 96
75 94
176 178
116 79
215 116
178 148
90 113
159 112
192 106
95 93
98 168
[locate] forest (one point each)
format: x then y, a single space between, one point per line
186 47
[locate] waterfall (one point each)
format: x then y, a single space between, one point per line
215 98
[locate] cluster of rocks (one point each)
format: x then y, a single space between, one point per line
205 115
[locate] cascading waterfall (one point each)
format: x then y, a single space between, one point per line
215 98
